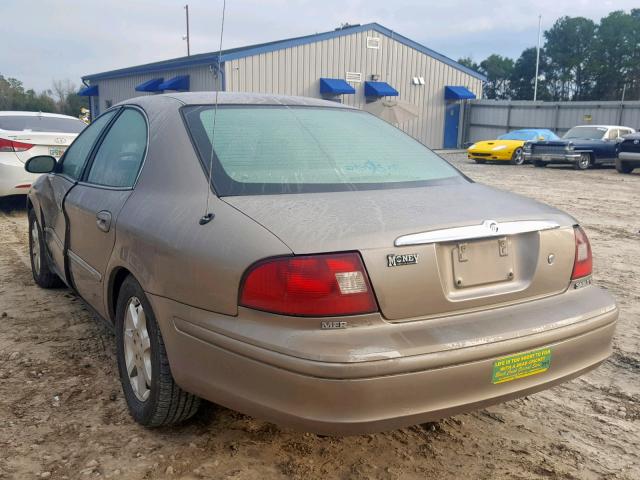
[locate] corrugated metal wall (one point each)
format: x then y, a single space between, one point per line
297 70
486 119
116 90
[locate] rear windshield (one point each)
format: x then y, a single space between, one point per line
270 150
586 133
41 124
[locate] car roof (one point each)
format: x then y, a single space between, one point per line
531 130
235 98
18 113
604 126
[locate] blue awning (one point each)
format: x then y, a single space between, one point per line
181 82
91 91
458 93
150 85
335 86
379 89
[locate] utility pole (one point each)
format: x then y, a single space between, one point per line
186 8
535 85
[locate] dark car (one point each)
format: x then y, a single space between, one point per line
629 154
583 146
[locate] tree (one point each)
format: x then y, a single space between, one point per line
522 80
13 96
469 63
68 101
498 70
568 47
616 56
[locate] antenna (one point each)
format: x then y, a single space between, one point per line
186 37
208 216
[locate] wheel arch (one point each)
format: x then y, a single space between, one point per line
116 279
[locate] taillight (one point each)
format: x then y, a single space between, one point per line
309 285
582 264
7 145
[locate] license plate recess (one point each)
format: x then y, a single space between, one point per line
482 262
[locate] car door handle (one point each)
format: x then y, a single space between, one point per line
103 220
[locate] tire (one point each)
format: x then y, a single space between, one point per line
481 162
43 274
518 157
622 167
153 397
539 164
584 162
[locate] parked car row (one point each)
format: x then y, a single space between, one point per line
583 146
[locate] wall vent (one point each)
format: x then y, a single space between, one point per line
373 42
355 77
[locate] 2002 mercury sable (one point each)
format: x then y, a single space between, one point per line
343 279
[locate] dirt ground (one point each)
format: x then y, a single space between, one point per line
62 412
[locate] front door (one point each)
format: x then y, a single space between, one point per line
451 125
93 205
58 184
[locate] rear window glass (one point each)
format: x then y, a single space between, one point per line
41 124
266 150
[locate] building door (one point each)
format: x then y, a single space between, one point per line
451 125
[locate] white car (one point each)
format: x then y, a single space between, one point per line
26 134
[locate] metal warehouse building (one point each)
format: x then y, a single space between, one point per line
353 64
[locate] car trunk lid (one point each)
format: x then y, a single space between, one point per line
44 143
418 279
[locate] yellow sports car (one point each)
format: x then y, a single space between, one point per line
508 147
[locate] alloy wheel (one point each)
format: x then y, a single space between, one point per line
35 247
518 157
584 161
137 349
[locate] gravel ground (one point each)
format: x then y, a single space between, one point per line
62 413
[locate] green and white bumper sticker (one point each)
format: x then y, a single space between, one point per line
521 365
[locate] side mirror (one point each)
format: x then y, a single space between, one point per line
541 139
40 164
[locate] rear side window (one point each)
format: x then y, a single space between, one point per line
613 134
76 155
271 150
40 123
119 157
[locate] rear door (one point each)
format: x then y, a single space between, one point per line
92 207
57 185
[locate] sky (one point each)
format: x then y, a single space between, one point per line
46 40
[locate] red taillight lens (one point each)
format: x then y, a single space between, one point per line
7 145
583 262
309 285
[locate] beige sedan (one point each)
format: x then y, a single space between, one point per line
307 263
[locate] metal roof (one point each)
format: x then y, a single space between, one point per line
235 53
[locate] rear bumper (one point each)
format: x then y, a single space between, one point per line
345 397
553 157
632 158
14 180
